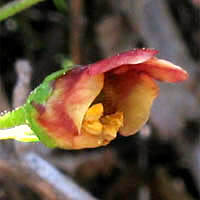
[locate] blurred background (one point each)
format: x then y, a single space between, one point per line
162 161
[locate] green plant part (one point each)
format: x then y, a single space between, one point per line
61 5
15 7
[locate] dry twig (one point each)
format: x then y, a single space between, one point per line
77 26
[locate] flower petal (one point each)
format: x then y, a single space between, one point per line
161 70
132 94
137 105
86 140
135 56
65 109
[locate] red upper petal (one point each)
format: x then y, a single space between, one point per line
161 70
135 56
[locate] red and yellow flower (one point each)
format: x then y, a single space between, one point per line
89 105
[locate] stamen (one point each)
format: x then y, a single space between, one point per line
93 128
111 125
94 112
105 127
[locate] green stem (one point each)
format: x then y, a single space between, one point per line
16 6
13 118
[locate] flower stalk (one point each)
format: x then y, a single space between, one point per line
13 118
13 126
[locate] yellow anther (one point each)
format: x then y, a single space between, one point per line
104 128
109 132
111 125
93 128
94 112
115 119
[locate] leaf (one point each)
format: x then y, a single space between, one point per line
61 5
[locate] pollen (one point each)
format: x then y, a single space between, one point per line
111 125
104 127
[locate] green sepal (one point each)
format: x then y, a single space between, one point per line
35 126
43 91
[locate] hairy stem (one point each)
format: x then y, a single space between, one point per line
13 118
16 6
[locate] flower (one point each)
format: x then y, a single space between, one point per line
89 105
